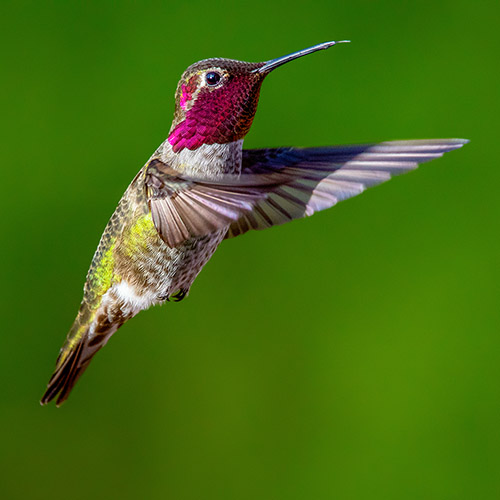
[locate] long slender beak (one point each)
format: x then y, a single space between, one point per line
274 63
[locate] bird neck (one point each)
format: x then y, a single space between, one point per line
209 161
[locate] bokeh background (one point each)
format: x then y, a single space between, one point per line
352 355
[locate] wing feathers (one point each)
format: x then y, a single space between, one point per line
321 177
183 208
277 185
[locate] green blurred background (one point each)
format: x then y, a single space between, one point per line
352 355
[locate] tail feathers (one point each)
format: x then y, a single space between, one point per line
69 371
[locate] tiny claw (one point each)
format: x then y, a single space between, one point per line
177 296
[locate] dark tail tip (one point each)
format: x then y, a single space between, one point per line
65 376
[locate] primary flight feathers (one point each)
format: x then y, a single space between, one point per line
277 185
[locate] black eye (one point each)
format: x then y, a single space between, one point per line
212 78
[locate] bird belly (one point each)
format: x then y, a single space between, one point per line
150 271
147 274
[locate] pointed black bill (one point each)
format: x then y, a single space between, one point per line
274 63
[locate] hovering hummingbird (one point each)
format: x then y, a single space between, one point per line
200 187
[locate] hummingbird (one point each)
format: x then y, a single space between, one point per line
201 187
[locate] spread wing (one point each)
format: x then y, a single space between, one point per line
276 186
318 178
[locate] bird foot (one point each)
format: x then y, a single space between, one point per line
177 296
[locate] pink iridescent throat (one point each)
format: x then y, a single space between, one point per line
216 117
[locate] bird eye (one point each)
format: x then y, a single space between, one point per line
212 78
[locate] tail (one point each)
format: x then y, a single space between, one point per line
75 356
66 375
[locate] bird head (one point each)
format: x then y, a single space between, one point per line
216 99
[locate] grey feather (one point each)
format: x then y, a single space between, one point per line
321 177
277 186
